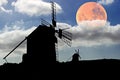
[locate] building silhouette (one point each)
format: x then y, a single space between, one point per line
41 46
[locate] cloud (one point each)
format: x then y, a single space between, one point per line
34 7
86 35
63 25
10 36
106 2
3 2
2 9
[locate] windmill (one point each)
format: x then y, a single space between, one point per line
76 56
62 34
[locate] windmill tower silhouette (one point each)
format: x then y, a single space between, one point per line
76 56
41 42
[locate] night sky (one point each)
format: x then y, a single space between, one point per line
20 17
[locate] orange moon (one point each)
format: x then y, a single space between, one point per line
91 11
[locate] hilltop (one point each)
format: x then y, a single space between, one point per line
61 66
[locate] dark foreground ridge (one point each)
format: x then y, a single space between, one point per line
63 66
41 56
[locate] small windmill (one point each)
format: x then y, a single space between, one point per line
76 56
62 33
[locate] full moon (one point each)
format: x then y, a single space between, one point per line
91 11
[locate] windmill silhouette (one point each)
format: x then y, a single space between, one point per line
41 43
76 56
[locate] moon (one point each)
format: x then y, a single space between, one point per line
90 11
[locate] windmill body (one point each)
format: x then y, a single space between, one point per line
41 46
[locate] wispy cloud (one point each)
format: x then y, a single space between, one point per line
106 2
34 7
2 9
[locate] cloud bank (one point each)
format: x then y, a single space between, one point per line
86 35
106 2
82 35
34 7
10 37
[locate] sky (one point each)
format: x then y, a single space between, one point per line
20 17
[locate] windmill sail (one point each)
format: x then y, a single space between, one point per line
67 37
53 14
64 35
45 23
14 48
